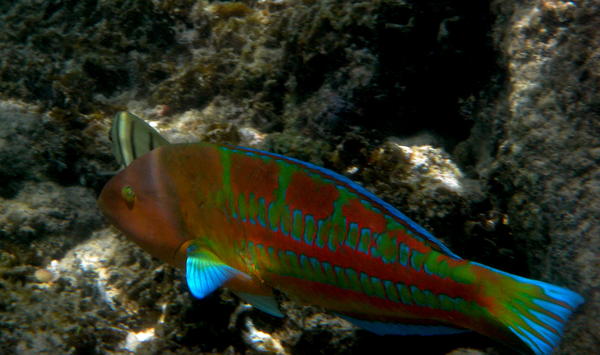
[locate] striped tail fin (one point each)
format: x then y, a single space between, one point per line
534 312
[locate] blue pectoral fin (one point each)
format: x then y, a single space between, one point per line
267 304
204 273
384 328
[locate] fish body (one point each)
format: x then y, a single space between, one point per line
253 221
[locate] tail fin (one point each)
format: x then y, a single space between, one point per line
533 311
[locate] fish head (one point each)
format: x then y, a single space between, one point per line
142 204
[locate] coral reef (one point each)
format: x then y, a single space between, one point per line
480 121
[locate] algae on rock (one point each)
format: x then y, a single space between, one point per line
509 94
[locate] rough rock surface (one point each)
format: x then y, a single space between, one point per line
480 121
547 155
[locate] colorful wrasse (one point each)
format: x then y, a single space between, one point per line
253 221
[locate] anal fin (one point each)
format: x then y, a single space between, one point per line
266 303
384 328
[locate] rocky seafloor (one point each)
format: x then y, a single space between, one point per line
479 120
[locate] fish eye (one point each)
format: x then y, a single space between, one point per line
128 194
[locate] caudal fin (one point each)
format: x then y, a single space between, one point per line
534 311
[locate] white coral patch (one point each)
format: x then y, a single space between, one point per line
261 341
92 256
134 339
426 164
251 137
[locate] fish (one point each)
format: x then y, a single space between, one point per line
132 137
253 221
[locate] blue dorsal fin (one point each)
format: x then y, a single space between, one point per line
383 328
204 272
267 304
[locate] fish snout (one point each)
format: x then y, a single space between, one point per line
139 204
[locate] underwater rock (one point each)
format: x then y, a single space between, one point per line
423 174
37 200
105 295
66 53
45 210
18 128
508 90
262 342
537 146
62 315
